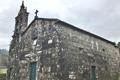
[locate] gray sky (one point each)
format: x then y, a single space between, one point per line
100 17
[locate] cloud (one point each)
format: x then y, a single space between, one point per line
7 14
106 22
100 17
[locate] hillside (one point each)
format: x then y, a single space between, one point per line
3 57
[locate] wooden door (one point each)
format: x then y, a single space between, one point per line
33 71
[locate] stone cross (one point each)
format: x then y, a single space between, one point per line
36 12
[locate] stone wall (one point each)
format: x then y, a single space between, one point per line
62 53
82 51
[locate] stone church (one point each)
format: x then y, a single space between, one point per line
51 49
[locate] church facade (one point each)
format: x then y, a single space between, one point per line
51 49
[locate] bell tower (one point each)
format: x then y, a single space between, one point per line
21 21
